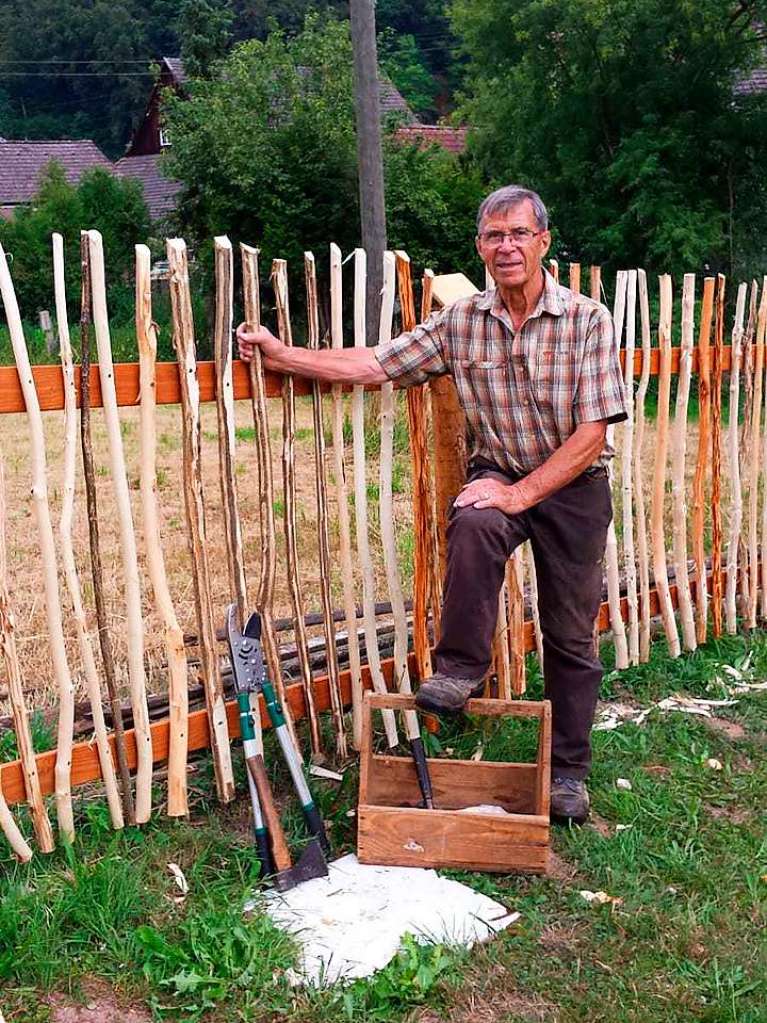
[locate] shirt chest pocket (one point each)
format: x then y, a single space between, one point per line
553 370
482 383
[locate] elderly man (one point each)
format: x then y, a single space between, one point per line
538 376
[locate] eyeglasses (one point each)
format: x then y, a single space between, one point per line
517 235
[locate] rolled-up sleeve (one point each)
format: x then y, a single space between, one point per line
600 393
413 357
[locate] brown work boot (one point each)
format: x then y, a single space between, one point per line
442 694
569 801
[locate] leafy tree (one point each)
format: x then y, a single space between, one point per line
114 206
266 152
204 27
400 58
622 113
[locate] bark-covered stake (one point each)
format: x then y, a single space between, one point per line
19 845
659 472
184 344
704 454
280 285
627 457
42 514
97 574
37 811
342 501
716 460
639 502
128 551
611 546
323 531
733 453
65 535
421 474
435 576
361 501
678 451
386 509
265 599
178 697
744 588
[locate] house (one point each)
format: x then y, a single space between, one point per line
425 135
22 164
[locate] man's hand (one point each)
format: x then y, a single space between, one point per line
491 493
270 346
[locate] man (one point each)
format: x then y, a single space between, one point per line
538 376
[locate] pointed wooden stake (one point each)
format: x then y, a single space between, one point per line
678 452
701 467
736 488
627 469
611 547
639 502
716 460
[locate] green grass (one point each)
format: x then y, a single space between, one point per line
686 944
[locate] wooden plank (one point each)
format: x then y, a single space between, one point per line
436 838
456 784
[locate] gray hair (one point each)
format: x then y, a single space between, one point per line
505 198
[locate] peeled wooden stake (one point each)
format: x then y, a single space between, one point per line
699 480
184 343
627 489
716 460
736 489
178 695
611 547
639 502
42 516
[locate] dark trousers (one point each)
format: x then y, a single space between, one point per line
567 532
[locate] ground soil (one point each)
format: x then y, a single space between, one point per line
98 1004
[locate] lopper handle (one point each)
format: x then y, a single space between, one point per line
280 851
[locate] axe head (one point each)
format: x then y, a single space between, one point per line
311 864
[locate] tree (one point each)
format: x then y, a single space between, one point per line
400 58
622 113
114 206
204 27
266 153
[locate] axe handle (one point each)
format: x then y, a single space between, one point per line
280 851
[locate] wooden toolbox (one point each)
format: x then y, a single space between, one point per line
394 830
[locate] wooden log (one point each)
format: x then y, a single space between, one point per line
716 460
678 453
660 570
516 634
435 573
342 500
595 283
265 599
65 537
755 452
421 477
627 471
611 547
37 811
386 505
575 278
178 700
361 499
736 490
129 555
19 845
323 529
94 542
280 285
42 515
184 344
699 480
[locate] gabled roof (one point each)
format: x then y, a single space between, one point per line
175 67
424 135
22 163
159 192
392 101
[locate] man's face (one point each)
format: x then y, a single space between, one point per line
512 263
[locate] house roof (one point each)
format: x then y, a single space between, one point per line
391 99
175 66
22 163
424 135
159 192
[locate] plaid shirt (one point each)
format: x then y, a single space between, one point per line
523 392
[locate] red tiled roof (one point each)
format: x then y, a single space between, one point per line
159 192
21 164
423 135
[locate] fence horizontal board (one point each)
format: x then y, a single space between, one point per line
50 384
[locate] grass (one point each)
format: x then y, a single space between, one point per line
687 943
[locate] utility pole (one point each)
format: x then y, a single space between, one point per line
369 157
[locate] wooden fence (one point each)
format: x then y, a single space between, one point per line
696 579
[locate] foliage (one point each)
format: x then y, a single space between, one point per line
112 205
622 114
279 117
401 59
204 27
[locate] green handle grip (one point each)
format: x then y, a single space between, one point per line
273 705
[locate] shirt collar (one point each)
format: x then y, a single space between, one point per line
549 302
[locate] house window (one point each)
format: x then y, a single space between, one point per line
164 138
